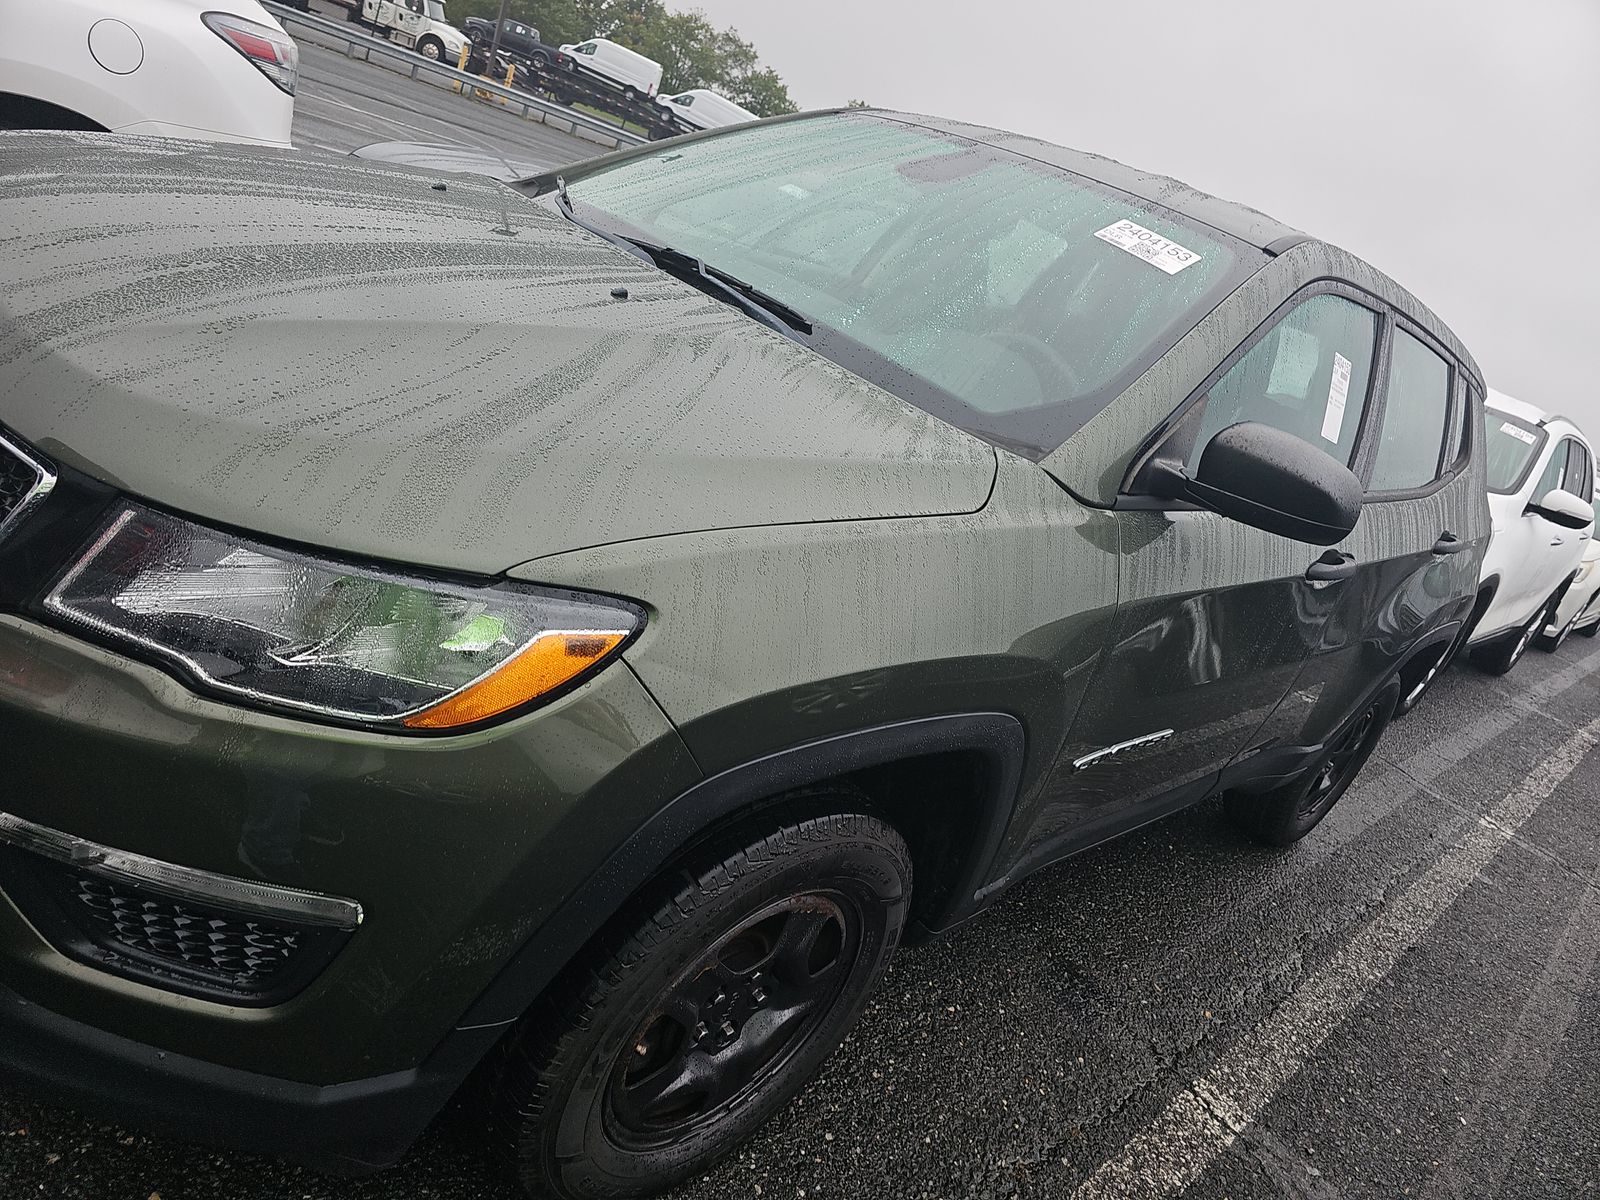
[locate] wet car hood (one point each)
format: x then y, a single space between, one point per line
340 353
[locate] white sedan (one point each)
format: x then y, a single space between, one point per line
221 70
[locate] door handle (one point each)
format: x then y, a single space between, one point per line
1448 543
1555 541
1331 566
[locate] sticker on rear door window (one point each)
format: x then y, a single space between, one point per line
1152 247
1522 435
1338 393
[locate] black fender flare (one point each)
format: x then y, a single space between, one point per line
997 738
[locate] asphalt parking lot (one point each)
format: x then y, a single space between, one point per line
342 104
1407 1004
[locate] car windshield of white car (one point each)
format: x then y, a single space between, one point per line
1512 444
1012 298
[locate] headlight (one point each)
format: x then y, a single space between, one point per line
287 631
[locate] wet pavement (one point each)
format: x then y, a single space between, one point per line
1406 1004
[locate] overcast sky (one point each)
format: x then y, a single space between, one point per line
1455 144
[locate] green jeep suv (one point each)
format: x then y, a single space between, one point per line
572 634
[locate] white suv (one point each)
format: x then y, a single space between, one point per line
1541 491
221 70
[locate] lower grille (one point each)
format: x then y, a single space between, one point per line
242 953
185 931
24 481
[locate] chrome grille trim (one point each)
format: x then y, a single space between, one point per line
44 481
226 891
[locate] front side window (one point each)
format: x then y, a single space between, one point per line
435 10
1554 471
1579 477
1510 445
1308 376
686 100
586 48
1013 299
1414 417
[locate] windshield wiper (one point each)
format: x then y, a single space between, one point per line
769 310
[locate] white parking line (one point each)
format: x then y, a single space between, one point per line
1486 1145
1205 1117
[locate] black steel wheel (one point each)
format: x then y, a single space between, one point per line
704 1009
1285 814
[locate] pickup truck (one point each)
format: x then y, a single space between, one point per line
418 24
517 41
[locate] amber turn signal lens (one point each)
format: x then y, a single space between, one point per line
546 663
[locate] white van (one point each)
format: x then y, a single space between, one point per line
631 71
701 108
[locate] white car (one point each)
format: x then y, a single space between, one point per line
220 70
1579 611
629 70
701 108
1541 492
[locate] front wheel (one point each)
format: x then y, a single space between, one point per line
691 1024
1552 642
1286 814
1499 656
431 49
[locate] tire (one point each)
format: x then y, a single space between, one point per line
685 1027
1552 643
1411 696
1505 652
539 60
431 48
1284 815
629 95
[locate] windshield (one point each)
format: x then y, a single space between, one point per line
1013 299
1512 444
435 10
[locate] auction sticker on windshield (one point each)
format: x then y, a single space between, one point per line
1522 435
1148 245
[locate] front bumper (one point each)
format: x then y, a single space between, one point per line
350 1128
457 849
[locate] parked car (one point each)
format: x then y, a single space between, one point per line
518 39
632 72
701 108
875 515
222 72
419 25
1541 489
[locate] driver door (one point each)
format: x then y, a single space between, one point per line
1216 619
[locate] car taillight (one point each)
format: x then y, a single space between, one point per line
270 50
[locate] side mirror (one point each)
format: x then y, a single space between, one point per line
1261 476
1563 508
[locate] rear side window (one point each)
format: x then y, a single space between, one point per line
1414 419
1309 376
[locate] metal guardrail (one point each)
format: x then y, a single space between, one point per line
354 42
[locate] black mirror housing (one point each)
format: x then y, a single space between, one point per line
1263 477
